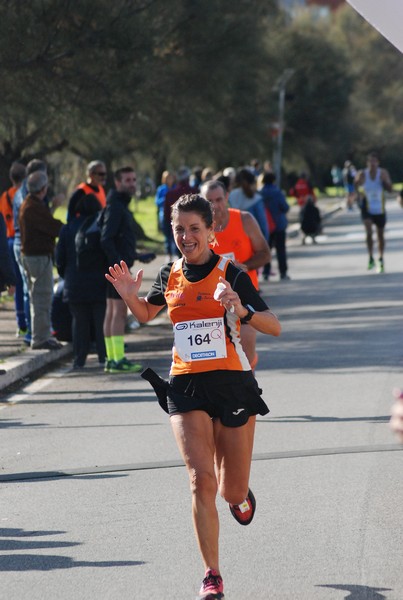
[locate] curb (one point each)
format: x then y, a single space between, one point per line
26 363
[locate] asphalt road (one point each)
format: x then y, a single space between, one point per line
94 500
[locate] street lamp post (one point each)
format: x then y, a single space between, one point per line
280 88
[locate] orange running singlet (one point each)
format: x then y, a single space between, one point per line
235 244
206 335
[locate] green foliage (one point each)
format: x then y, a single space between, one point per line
192 81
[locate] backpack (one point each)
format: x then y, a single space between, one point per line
89 253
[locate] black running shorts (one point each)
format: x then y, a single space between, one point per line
231 396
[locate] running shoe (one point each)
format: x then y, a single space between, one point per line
371 264
108 365
50 344
380 268
244 513
125 366
21 332
212 587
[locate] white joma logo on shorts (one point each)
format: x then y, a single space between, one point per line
236 412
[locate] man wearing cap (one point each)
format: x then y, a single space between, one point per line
38 230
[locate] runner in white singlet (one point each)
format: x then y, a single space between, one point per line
374 181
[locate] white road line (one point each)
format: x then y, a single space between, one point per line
33 388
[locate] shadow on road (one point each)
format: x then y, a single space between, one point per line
359 592
33 562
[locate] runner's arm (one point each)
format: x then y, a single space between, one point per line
128 287
386 180
261 251
263 319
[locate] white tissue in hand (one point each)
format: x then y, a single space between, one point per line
220 287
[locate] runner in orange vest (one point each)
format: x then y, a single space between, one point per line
238 237
212 396
96 178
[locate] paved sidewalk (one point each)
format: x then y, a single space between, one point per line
19 363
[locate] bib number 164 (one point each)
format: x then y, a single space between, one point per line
198 339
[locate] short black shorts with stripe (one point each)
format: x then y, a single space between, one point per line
231 396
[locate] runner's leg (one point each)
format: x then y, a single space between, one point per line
195 439
368 231
234 446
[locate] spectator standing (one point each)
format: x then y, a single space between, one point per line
310 220
17 175
374 182
7 271
207 174
94 184
277 206
168 183
230 173
118 241
182 187
38 231
246 197
196 178
303 190
337 178
349 174
32 167
84 281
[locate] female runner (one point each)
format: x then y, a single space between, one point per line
212 396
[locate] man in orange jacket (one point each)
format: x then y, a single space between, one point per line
17 175
94 184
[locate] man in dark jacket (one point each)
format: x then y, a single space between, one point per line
118 240
276 204
38 230
84 282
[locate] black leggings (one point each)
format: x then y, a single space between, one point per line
88 321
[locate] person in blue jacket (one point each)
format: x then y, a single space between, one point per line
277 205
168 182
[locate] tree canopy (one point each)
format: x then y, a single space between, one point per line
192 81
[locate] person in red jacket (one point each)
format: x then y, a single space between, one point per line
302 190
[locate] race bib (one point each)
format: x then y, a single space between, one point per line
375 202
202 339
